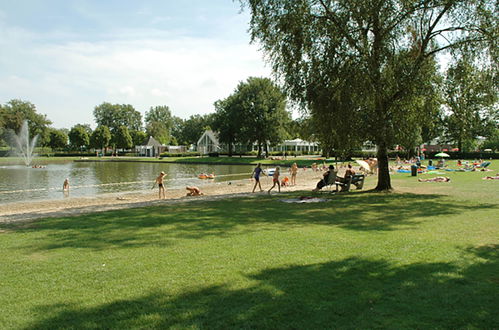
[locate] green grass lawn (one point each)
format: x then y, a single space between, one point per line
422 259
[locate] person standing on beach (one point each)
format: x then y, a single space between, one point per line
159 181
294 171
275 179
256 175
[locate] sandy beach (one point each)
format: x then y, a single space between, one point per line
25 211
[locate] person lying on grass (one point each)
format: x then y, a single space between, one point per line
491 177
436 179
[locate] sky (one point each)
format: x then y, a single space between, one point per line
68 56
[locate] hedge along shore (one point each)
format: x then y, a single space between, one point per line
200 162
26 211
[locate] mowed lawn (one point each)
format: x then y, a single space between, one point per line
423 257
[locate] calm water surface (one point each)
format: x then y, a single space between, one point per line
21 183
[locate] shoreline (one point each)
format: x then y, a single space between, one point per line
27 211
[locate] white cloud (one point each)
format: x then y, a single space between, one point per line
187 74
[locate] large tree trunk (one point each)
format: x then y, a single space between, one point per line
384 182
230 149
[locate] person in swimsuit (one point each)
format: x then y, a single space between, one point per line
256 175
159 181
294 171
193 191
348 174
65 187
436 179
275 179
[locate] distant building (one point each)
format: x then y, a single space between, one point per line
297 145
177 149
208 143
152 148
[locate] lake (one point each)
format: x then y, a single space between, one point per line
21 183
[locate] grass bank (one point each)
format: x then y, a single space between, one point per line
424 258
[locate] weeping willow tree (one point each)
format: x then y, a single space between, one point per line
376 51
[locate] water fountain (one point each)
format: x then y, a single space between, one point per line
22 144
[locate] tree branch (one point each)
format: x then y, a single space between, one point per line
332 17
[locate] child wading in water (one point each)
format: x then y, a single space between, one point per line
275 179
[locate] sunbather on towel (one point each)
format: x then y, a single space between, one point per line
436 179
492 177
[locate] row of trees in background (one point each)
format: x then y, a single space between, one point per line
255 113
118 126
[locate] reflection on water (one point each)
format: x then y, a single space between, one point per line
21 183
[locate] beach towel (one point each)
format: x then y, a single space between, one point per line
304 200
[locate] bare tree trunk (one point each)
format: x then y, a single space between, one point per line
384 181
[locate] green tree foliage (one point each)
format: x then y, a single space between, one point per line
176 131
254 113
263 112
122 138
159 123
79 136
14 112
58 139
100 138
492 142
138 137
301 128
372 54
471 97
115 115
195 126
227 121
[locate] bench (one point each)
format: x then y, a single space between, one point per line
358 180
345 186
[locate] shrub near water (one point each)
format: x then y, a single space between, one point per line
361 260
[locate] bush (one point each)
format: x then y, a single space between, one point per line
180 154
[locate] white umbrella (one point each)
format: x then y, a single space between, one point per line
364 165
442 154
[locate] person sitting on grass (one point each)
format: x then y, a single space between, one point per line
323 182
436 179
193 191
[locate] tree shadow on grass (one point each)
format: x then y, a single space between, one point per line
351 293
162 225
